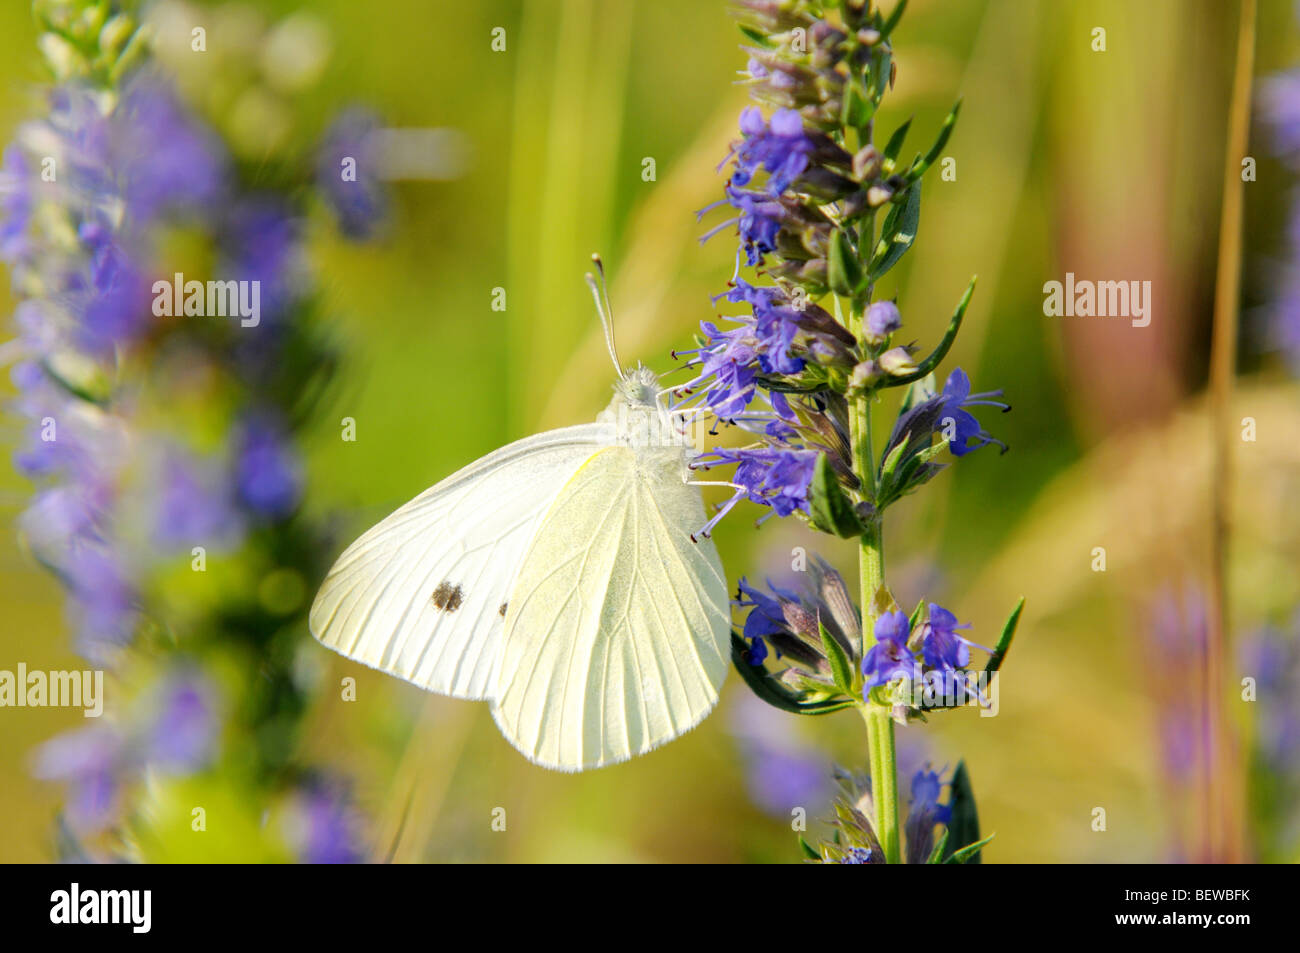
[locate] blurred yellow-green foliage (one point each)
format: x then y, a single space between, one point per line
1107 164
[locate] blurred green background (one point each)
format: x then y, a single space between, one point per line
1107 164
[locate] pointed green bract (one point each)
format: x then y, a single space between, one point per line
858 105
843 272
760 680
881 72
841 670
915 617
891 464
941 845
1004 640
808 850
970 853
898 233
831 510
895 15
945 344
770 690
894 146
918 168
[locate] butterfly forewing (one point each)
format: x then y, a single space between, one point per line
422 595
617 631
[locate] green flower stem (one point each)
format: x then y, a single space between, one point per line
871 571
880 726
871 553
884 779
871 567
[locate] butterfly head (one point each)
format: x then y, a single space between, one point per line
638 412
641 419
638 386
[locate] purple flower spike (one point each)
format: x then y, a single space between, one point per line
766 617
967 434
769 476
269 475
728 364
327 828
858 855
1279 99
890 658
192 506
779 146
89 760
925 812
358 201
183 734
15 204
169 161
941 647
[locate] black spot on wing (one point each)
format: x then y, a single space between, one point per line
448 597
502 611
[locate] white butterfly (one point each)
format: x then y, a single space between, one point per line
557 578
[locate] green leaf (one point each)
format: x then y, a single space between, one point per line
941 351
881 67
936 855
918 168
828 707
841 669
894 146
890 463
964 827
755 36
906 223
808 850
858 107
908 464
831 510
962 855
913 475
1004 640
894 17
843 272
915 617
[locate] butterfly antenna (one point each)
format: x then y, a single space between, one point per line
600 294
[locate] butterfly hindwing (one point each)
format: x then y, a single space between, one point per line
422 595
617 632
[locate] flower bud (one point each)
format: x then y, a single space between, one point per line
816 240
770 16
897 361
878 195
825 184
115 33
866 163
63 58
864 376
810 275
882 320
